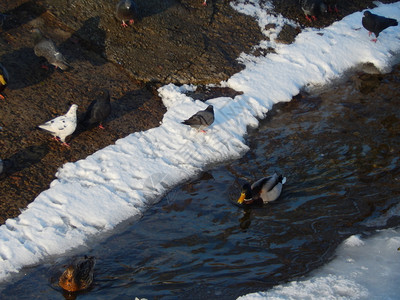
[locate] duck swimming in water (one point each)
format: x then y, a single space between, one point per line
262 191
79 275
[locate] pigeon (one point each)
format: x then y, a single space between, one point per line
5 165
62 126
98 110
202 119
376 24
126 10
3 80
46 48
313 8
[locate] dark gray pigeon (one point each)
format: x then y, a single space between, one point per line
98 110
376 24
126 11
46 48
3 80
202 119
5 165
313 8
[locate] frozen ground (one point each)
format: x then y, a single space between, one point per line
120 181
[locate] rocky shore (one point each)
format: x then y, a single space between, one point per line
171 42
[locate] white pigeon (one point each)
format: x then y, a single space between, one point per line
62 126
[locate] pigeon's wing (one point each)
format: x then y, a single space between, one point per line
45 48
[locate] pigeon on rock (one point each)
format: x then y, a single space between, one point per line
98 110
46 48
126 11
62 126
202 119
313 8
376 24
3 80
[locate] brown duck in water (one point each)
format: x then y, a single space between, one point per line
79 275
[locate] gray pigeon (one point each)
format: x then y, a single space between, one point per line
126 11
3 80
313 8
376 24
62 126
98 110
202 119
46 48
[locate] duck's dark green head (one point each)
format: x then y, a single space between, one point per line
245 195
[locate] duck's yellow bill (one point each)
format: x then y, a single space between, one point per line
241 199
2 80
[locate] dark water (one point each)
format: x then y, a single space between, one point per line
338 148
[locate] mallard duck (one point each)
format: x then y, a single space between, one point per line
79 275
262 191
3 80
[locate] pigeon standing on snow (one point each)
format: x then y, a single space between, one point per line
313 8
3 80
126 10
98 110
46 48
376 24
62 126
202 119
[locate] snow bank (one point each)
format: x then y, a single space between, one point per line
118 182
362 269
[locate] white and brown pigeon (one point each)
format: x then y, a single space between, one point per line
62 126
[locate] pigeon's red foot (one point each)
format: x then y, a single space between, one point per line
374 40
124 24
308 18
369 33
314 18
2 97
205 3
131 21
66 145
101 126
44 67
